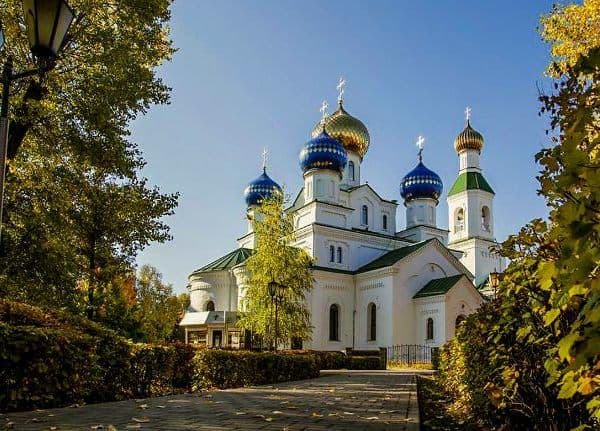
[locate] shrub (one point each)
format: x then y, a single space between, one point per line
231 369
364 363
50 359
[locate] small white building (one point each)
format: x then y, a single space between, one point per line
374 286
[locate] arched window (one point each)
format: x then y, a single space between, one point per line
430 328
372 321
384 222
459 319
339 254
334 323
331 253
485 218
459 220
351 170
210 306
365 215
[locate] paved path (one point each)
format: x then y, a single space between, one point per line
340 400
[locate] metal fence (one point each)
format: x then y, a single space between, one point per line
410 354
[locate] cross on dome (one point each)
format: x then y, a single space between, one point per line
420 145
340 88
323 110
468 113
265 153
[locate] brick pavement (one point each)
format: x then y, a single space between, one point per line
338 400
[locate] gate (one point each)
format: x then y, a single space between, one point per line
410 354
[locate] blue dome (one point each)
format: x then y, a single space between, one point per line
261 188
421 183
323 152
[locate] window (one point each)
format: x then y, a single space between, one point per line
334 323
459 220
384 222
331 253
372 321
485 219
210 306
430 328
351 170
459 319
339 254
365 215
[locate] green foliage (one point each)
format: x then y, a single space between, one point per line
158 310
232 369
51 359
275 258
535 350
364 363
77 208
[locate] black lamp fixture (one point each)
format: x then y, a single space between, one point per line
494 279
47 23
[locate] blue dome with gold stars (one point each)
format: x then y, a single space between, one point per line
323 152
261 188
421 183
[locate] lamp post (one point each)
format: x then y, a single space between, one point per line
47 23
277 294
494 282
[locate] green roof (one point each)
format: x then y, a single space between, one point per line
226 262
438 286
392 257
470 181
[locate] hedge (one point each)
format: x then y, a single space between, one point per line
51 359
231 369
364 363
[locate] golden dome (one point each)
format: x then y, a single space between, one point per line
350 131
468 139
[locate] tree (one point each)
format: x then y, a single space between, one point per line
276 259
548 310
77 208
158 310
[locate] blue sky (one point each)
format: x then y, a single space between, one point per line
252 74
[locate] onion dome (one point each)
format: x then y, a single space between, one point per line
350 131
468 139
421 183
323 152
261 188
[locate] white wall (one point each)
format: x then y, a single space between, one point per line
218 286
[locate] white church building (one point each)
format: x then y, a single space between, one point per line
374 286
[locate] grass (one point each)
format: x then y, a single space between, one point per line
433 408
402 365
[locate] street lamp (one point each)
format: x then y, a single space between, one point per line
277 294
47 24
494 278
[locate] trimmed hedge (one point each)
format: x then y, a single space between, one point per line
50 359
364 363
231 369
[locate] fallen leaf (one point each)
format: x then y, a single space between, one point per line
348 413
143 406
141 420
240 413
160 407
269 419
372 418
112 428
316 415
133 426
97 427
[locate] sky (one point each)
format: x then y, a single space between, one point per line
253 74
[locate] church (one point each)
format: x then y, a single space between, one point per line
374 286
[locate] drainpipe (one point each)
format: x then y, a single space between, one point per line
354 317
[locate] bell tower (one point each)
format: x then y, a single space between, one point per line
470 207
